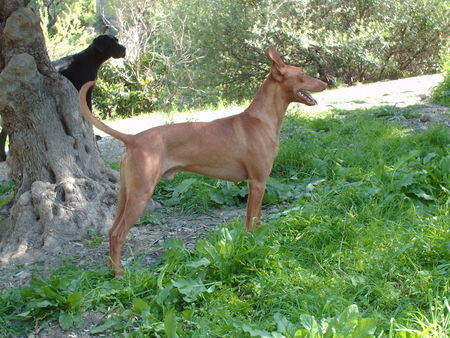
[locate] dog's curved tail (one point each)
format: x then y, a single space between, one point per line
125 138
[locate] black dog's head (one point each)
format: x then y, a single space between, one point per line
109 46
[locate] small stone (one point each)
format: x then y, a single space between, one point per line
25 199
425 118
152 205
23 274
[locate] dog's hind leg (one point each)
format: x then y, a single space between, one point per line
133 210
119 213
136 189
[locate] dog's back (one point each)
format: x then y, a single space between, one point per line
77 69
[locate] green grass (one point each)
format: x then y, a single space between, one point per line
441 93
360 247
6 195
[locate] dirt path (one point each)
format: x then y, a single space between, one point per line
143 243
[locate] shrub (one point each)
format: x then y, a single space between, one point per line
341 41
66 25
189 53
122 92
441 93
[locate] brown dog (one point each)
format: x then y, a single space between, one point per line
236 148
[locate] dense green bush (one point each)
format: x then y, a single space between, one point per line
441 93
67 25
189 53
121 91
340 41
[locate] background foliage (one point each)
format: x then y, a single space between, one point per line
357 243
189 53
441 94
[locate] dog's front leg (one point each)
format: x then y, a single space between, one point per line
254 201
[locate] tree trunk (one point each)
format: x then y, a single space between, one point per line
107 16
63 188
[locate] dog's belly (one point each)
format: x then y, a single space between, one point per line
228 172
232 173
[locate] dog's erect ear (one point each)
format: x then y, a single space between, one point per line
99 43
278 66
272 55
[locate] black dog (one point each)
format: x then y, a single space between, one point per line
82 67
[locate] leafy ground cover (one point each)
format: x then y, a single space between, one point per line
360 247
441 93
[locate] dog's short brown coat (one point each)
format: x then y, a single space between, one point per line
235 148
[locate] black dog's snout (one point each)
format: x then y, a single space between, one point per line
122 51
118 52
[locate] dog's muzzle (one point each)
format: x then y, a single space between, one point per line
120 52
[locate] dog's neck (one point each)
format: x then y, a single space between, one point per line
270 103
95 55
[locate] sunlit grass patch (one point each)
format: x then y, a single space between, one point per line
6 193
359 246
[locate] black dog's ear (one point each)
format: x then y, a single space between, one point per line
99 44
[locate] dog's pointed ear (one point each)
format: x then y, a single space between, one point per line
278 66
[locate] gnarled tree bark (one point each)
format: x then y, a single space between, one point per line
63 188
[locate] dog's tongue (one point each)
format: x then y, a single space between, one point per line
307 98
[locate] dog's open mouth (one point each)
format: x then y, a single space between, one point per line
306 98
